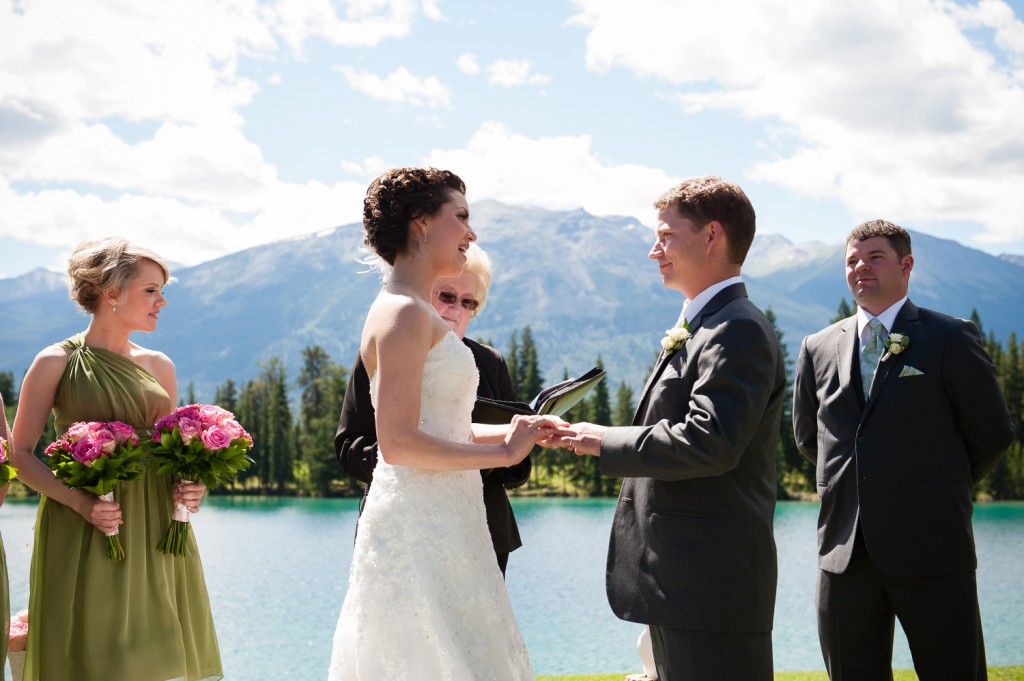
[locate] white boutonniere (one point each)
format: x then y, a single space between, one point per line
676 337
894 345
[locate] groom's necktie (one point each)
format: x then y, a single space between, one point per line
870 354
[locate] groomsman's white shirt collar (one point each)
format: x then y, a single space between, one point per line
888 318
692 308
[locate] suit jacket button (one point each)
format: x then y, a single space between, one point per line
861 439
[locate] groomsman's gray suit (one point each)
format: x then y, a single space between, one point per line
895 473
692 546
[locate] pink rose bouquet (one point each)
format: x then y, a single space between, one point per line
7 471
96 457
198 443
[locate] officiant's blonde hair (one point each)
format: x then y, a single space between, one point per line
478 263
105 264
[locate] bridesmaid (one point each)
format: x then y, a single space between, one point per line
145 618
5 606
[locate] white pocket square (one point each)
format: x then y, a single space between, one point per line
910 371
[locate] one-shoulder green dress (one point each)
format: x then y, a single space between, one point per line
5 606
146 618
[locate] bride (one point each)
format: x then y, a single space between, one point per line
425 598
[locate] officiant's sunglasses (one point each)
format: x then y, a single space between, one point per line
449 298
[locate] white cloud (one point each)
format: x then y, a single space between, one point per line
192 186
468 64
561 173
399 86
366 23
511 72
886 105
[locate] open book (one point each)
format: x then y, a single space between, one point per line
555 399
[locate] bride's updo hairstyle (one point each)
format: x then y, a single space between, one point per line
398 197
111 263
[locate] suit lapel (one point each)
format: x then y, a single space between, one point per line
849 368
714 305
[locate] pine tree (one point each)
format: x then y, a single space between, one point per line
280 435
793 470
7 387
320 405
226 396
529 365
514 370
624 407
843 311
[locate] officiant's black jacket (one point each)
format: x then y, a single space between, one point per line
356 441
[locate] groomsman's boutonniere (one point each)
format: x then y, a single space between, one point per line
895 344
676 336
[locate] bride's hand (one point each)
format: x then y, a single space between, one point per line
526 431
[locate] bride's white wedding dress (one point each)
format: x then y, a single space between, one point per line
426 599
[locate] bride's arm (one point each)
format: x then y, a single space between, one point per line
403 334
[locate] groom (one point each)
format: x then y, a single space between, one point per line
692 552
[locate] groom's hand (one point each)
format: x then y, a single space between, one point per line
580 438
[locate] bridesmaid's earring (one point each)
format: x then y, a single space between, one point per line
424 236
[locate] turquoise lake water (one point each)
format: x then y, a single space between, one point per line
277 571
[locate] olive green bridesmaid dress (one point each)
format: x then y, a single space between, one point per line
146 618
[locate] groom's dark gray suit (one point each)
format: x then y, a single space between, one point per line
692 546
895 473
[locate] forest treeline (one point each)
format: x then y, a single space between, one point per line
294 442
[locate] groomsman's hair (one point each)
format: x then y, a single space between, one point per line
704 199
898 237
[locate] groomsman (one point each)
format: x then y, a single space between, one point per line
901 411
692 552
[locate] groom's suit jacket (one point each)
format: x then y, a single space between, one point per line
692 544
901 462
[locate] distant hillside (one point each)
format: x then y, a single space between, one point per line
583 283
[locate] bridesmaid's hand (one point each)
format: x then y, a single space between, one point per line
105 516
189 494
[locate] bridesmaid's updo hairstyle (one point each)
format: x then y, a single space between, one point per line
111 263
398 197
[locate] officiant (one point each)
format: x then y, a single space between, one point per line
458 300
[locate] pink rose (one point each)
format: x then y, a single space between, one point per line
86 451
233 429
19 632
105 439
190 428
78 430
188 412
3 450
123 432
210 414
216 438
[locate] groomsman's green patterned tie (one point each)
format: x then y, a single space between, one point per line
870 354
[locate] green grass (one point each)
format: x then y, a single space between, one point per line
994 674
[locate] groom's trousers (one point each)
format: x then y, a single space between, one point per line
684 655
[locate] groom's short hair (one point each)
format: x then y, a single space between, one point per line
704 199
898 237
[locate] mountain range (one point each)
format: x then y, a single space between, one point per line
582 283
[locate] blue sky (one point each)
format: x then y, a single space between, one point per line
198 128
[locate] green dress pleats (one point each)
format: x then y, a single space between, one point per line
146 618
5 605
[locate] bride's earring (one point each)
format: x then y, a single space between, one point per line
115 307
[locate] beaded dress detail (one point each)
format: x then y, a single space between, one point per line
426 599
